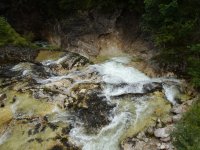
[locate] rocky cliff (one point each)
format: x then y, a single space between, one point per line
92 33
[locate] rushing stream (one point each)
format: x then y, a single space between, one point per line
42 119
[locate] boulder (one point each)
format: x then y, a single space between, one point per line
179 109
164 132
176 117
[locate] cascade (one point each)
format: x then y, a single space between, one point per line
64 100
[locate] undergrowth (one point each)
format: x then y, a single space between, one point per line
186 135
8 36
175 27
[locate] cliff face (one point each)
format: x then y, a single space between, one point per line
91 33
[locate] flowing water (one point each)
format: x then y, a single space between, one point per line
137 99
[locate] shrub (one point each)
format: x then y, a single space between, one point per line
8 36
187 131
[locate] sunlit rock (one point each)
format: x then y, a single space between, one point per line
164 132
83 91
176 117
180 109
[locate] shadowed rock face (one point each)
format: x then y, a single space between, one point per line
10 54
92 33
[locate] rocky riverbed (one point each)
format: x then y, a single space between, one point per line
64 101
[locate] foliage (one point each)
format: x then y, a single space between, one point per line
8 36
194 64
174 23
187 131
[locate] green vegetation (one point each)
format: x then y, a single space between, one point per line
47 89
175 24
187 132
8 36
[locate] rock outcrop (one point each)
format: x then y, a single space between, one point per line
92 33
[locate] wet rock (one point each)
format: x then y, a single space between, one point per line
176 117
164 132
3 96
69 101
179 109
55 94
58 69
141 135
159 123
74 95
5 118
14 99
158 112
150 130
52 126
59 86
43 128
151 87
93 111
83 91
6 115
37 127
57 148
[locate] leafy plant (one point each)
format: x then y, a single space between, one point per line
8 36
186 135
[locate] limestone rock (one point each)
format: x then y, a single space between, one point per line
60 85
150 130
165 146
3 96
189 102
167 139
136 144
163 132
83 91
179 109
141 135
159 123
176 117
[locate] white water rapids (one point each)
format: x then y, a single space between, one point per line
124 115
127 118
